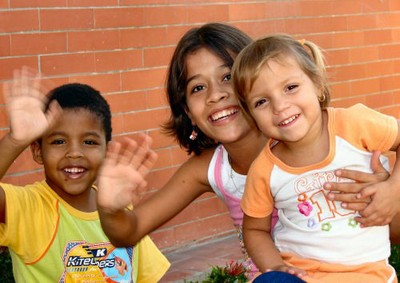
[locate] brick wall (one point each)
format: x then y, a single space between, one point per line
122 47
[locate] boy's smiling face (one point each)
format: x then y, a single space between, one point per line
72 153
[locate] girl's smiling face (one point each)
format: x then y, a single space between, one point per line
212 105
72 153
284 102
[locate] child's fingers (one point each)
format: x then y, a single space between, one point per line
354 206
112 153
7 92
367 193
144 157
53 112
128 151
345 187
142 152
148 163
373 220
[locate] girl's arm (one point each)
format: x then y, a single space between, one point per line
383 198
360 180
261 248
127 227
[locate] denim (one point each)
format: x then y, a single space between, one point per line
277 277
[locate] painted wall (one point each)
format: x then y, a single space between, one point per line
122 48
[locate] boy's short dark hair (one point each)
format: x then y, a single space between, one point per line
76 95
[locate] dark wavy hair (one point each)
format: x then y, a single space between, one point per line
224 41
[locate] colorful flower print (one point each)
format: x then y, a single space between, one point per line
305 208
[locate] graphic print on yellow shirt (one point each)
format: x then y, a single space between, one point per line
99 262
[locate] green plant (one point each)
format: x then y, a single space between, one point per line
395 258
5 266
233 272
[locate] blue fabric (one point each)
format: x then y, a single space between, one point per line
277 277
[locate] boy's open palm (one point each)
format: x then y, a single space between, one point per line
25 104
121 177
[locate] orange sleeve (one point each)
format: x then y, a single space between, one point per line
257 200
365 128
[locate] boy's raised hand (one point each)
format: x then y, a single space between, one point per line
25 105
121 178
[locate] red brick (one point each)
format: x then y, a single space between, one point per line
68 63
350 72
118 17
396 97
348 101
389 51
195 231
157 56
66 19
364 54
340 90
208 13
362 22
3 118
179 155
118 60
4 4
126 102
394 5
392 110
346 39
38 43
93 40
4 45
379 100
389 20
164 158
50 83
144 37
240 11
143 120
24 162
103 82
160 139
374 6
365 86
7 65
19 20
197 210
390 83
337 57
143 79
157 179
37 3
156 98
378 36
165 15
92 3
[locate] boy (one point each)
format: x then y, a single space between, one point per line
52 228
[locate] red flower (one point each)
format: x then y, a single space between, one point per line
234 268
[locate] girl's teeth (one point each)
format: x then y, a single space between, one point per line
223 113
287 121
